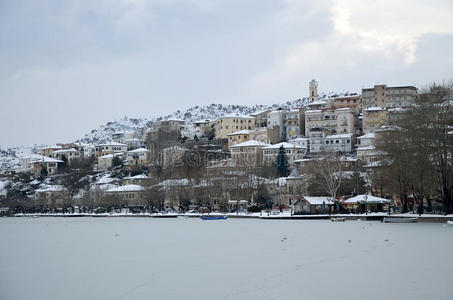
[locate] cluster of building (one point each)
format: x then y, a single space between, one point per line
346 124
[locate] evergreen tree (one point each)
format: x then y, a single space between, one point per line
116 162
43 172
282 163
65 161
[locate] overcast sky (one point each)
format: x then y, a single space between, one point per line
68 66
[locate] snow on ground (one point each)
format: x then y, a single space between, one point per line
3 184
188 258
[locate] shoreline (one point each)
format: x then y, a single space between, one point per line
426 218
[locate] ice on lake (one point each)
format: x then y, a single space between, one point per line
145 258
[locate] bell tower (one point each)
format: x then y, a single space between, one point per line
313 91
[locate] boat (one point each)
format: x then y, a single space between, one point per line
164 216
399 220
208 217
449 223
338 219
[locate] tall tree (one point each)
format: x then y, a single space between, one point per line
419 148
282 163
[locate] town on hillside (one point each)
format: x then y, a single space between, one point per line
388 149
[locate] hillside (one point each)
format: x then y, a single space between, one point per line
10 157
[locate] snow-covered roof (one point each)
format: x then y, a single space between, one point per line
175 182
110 155
450 132
127 188
140 176
236 115
367 148
300 139
318 200
176 120
343 109
375 108
132 140
367 199
138 150
259 112
51 188
251 143
65 151
319 102
245 131
44 159
313 111
284 144
51 147
367 136
202 121
339 136
112 144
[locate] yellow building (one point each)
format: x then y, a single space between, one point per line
238 137
373 118
232 123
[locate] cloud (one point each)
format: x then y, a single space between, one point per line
365 39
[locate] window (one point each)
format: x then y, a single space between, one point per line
336 142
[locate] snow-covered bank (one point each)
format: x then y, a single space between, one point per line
286 216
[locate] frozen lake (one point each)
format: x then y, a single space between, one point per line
144 258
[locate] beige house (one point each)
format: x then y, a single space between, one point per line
354 102
203 127
105 162
50 164
248 153
52 196
389 97
172 156
238 137
373 118
70 154
130 194
110 148
138 156
292 124
261 118
48 151
232 123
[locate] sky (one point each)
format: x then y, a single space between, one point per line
67 67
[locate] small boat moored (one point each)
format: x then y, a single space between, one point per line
399 220
338 219
209 217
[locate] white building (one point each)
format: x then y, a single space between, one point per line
89 151
134 143
293 152
339 143
302 142
365 140
70 154
110 148
248 153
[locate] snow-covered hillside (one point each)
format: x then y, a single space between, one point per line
11 157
